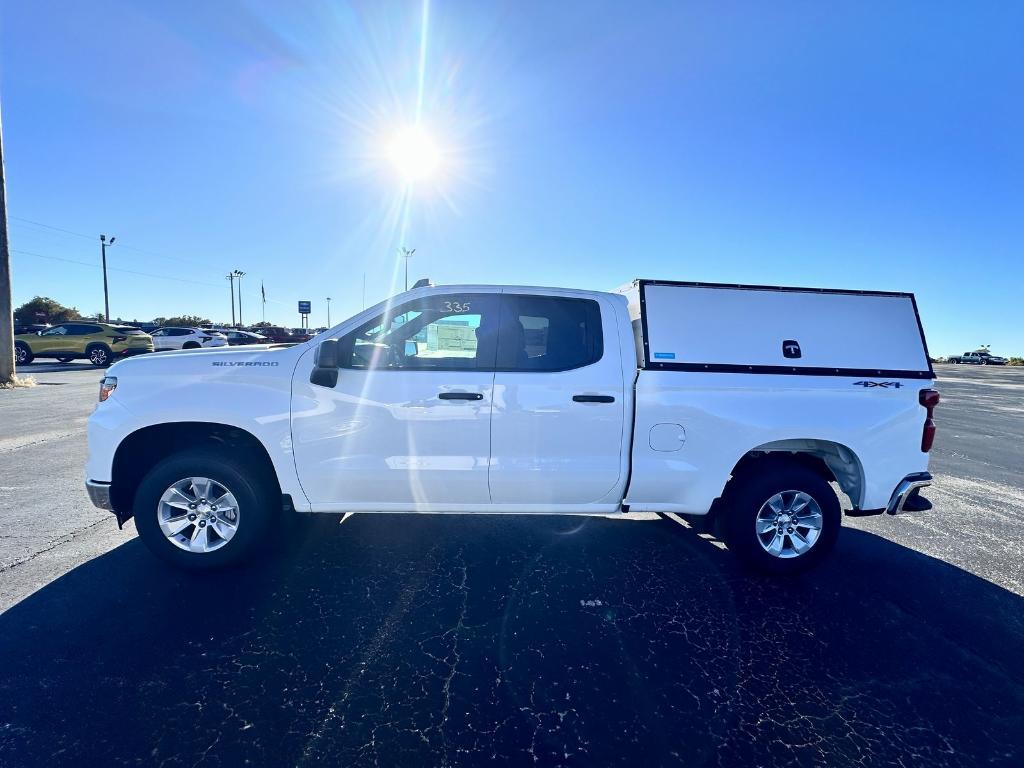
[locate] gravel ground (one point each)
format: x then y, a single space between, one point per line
453 640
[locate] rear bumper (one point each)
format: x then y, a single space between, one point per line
130 351
908 486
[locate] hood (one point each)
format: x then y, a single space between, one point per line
211 359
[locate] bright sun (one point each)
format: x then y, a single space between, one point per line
414 154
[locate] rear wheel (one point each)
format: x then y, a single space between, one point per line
22 353
200 510
190 345
781 517
99 354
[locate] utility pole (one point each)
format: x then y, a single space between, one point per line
6 308
231 279
407 254
239 274
106 296
328 311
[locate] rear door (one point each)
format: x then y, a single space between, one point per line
558 417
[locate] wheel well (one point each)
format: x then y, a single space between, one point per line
831 461
142 449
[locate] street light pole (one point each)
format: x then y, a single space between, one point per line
328 311
106 296
231 279
405 252
239 274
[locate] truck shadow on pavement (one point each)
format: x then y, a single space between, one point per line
428 640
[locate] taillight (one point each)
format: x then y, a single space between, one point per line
107 385
929 398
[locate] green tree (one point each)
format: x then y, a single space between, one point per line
43 309
184 321
261 324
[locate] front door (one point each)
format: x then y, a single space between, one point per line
53 340
407 426
160 339
557 427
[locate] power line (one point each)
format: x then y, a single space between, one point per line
143 251
131 272
113 269
50 226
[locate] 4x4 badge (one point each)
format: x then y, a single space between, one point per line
882 384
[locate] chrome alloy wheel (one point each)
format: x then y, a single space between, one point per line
788 524
98 356
20 355
198 514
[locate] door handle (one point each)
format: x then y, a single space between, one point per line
461 396
593 399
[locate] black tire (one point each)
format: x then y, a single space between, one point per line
22 353
65 359
190 345
99 355
259 505
751 491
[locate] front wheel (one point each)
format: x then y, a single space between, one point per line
781 517
99 354
199 510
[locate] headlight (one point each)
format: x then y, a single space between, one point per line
107 385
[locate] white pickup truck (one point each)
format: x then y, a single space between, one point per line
756 405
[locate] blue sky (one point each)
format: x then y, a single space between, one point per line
860 145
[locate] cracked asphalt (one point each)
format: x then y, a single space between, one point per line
404 640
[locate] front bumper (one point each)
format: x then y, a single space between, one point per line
99 494
907 488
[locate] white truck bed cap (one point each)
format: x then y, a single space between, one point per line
725 328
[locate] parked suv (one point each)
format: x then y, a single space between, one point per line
187 338
979 358
100 343
277 335
244 338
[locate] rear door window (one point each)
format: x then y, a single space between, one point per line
548 333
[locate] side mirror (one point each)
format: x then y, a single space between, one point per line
325 369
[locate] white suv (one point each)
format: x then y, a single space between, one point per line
186 338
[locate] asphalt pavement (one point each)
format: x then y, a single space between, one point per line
415 640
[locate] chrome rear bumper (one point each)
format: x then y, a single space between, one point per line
907 487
